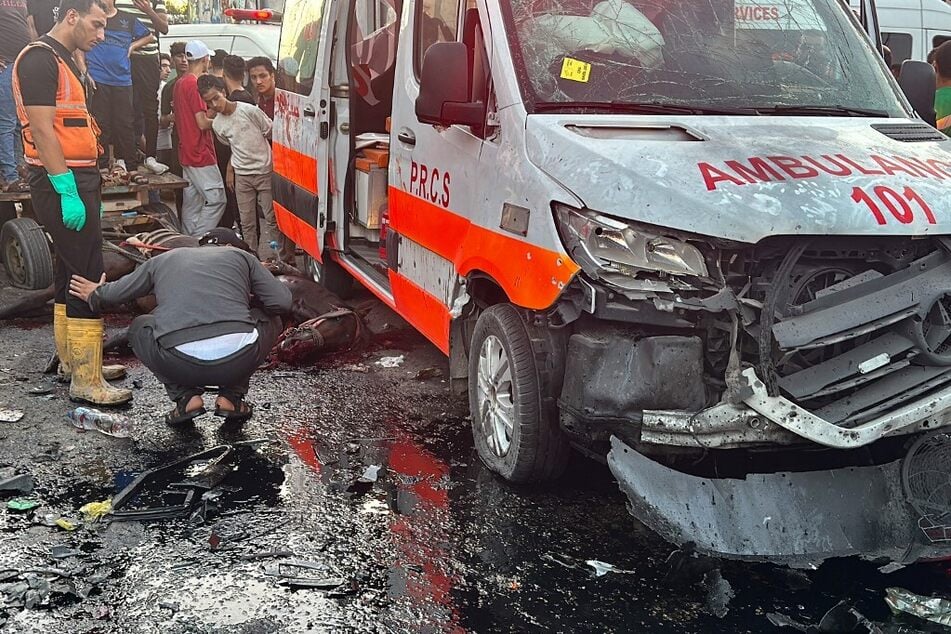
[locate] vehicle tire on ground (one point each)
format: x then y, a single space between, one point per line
513 387
331 276
165 212
26 254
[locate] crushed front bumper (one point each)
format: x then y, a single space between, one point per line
793 518
763 419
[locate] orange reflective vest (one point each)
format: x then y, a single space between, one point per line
75 128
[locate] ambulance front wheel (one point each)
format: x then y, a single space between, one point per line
331 276
513 386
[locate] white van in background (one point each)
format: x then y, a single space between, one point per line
911 28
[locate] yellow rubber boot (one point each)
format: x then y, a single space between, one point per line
85 359
109 372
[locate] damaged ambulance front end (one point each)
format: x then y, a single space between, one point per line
762 399
761 329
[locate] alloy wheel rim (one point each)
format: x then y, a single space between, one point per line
496 396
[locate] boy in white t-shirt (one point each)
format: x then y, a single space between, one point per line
246 129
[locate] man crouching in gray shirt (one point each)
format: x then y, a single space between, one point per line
204 330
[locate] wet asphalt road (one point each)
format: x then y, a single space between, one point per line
435 544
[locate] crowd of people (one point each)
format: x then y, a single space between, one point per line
152 117
76 85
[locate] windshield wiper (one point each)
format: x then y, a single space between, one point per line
627 107
822 111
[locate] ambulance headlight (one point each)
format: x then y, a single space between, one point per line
605 246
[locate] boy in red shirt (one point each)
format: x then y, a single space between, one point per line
204 199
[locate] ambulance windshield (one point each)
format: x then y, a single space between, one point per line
729 56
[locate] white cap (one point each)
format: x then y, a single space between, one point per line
196 50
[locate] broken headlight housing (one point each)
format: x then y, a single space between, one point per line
618 251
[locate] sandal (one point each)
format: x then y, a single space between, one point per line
242 409
179 415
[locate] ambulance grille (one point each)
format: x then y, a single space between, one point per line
852 345
910 132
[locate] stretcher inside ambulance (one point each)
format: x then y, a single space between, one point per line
704 238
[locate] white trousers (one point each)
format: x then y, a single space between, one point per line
203 201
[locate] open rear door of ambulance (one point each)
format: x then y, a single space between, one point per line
302 120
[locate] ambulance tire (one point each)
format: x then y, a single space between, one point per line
524 392
26 254
331 276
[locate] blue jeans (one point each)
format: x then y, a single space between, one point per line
8 126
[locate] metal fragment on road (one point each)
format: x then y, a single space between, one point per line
601 568
934 609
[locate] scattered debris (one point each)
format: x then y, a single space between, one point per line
22 483
268 554
67 525
719 593
63 552
601 568
889 568
21 505
429 373
363 484
375 507
41 390
89 419
781 620
10 415
841 618
355 367
218 465
294 573
391 362
934 609
95 510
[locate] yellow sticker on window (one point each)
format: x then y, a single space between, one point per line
575 70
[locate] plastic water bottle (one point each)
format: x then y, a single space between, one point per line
89 419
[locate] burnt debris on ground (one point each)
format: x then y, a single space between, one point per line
352 501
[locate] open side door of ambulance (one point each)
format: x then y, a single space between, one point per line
302 120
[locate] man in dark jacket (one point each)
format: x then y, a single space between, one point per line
215 321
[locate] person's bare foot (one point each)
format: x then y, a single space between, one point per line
232 409
194 404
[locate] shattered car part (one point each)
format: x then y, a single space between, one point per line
934 609
294 573
215 471
785 413
796 518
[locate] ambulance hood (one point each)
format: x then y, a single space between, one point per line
746 178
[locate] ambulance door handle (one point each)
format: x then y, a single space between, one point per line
309 111
407 136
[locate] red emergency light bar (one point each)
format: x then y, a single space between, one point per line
256 15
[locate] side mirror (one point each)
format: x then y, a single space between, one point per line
918 81
444 87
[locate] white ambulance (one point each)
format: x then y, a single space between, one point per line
705 236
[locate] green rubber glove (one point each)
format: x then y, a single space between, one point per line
74 210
